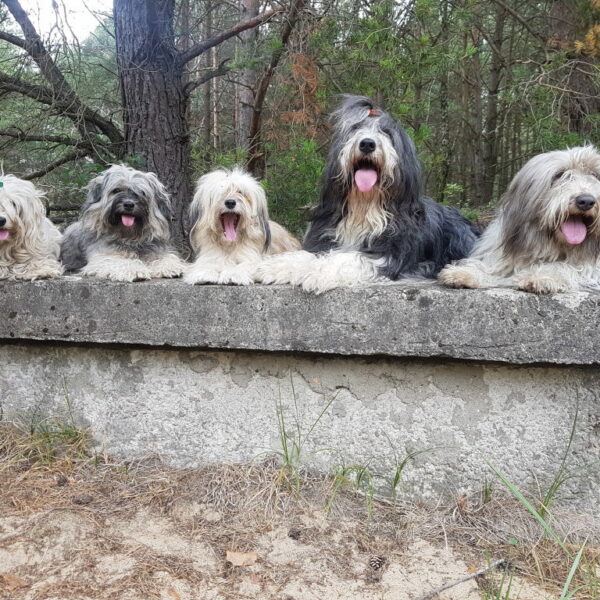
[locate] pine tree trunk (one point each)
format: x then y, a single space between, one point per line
248 77
154 105
491 133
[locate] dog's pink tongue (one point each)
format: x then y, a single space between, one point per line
229 225
574 230
4 234
127 220
365 179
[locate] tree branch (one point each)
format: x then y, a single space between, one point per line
220 37
13 39
76 154
22 136
521 20
222 69
62 93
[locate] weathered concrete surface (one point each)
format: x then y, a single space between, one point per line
394 320
196 407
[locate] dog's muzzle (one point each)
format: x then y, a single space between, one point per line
4 233
576 228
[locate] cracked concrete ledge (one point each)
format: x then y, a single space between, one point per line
396 320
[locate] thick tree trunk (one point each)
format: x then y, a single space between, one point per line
154 104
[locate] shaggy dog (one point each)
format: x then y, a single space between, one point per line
545 237
123 232
231 229
29 242
372 222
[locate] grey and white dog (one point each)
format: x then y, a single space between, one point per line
123 230
546 235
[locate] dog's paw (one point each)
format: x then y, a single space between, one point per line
137 273
315 283
167 268
33 272
541 285
273 271
200 276
235 276
457 277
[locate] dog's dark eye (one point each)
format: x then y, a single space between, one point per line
117 191
557 176
596 175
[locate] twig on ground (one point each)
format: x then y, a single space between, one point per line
503 562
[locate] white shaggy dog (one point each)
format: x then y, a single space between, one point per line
545 237
231 230
123 232
29 242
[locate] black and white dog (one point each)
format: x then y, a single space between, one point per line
372 222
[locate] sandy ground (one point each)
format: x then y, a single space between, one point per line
81 527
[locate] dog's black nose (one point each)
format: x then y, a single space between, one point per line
366 146
128 205
585 202
2 221
230 203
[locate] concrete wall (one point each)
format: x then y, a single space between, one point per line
195 405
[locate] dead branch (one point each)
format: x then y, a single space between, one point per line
222 36
496 564
67 158
222 69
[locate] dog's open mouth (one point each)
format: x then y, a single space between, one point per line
127 220
4 234
365 175
230 221
575 228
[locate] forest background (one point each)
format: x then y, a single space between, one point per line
181 86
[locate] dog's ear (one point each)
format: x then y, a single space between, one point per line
263 219
94 192
161 197
262 209
193 218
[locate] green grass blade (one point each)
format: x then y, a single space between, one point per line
565 592
519 496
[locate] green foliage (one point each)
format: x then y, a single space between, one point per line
293 182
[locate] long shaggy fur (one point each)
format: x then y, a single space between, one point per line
525 246
231 229
389 231
123 230
29 242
